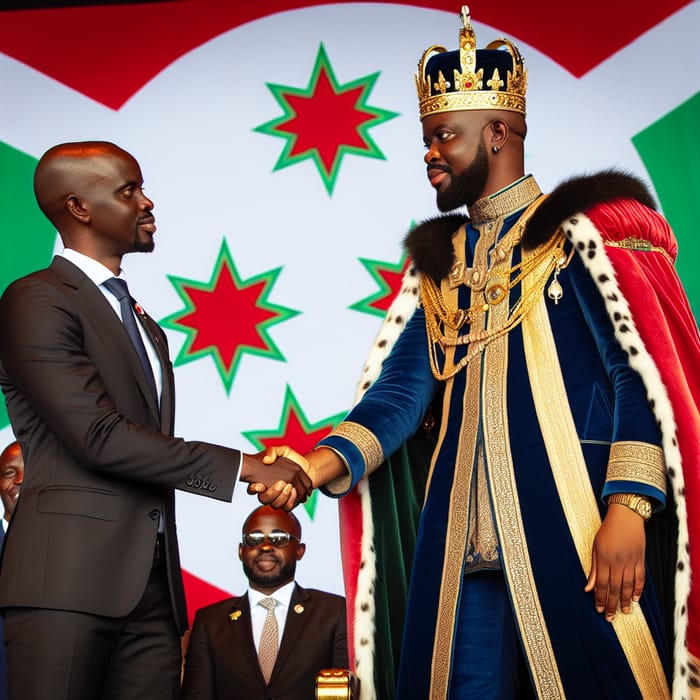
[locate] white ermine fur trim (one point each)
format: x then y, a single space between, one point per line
400 311
589 244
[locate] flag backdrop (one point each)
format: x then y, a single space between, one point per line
281 145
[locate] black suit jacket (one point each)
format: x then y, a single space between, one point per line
222 663
100 459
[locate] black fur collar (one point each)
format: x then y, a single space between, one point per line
430 242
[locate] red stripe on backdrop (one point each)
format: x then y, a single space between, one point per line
109 52
199 593
350 527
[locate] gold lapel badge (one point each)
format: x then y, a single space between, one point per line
298 609
233 616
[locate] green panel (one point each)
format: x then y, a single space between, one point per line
26 237
670 149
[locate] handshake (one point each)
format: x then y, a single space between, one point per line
282 478
279 477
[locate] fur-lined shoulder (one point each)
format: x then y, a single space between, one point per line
579 194
430 242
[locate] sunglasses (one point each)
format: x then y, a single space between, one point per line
277 538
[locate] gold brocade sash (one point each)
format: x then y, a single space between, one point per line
456 537
574 487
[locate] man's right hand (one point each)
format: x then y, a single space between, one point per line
321 464
280 484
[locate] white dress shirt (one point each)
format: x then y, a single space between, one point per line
258 613
98 273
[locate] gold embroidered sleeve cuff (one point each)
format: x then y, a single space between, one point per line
639 462
362 455
365 441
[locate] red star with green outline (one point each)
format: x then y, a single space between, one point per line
388 277
295 430
227 317
305 123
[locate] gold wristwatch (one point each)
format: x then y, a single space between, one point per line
641 505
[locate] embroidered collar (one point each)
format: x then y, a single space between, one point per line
506 201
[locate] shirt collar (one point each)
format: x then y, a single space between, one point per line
93 269
282 595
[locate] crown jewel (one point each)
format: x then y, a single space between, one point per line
490 78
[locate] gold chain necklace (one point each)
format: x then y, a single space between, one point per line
500 279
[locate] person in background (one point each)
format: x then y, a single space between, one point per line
234 655
11 477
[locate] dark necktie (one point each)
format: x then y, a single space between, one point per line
121 291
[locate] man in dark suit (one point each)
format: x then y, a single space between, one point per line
90 578
226 659
11 477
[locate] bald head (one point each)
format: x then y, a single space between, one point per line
11 454
66 170
283 520
11 477
92 192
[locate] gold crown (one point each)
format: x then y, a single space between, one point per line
466 89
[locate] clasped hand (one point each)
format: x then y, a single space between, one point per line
277 477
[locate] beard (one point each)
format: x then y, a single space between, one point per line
467 187
143 245
272 579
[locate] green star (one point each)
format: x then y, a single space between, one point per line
227 317
326 121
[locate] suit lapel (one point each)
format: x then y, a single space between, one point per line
297 614
167 395
241 627
97 308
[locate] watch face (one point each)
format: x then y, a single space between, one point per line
644 508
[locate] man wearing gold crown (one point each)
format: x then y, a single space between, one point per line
563 480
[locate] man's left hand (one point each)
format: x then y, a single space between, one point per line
617 563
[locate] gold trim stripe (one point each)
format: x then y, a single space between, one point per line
365 440
573 484
506 506
640 244
637 461
485 99
457 525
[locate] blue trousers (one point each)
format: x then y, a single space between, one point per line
488 662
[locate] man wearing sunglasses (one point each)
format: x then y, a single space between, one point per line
249 647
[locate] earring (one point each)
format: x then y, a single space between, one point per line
494 150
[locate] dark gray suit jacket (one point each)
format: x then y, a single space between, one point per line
100 459
222 663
